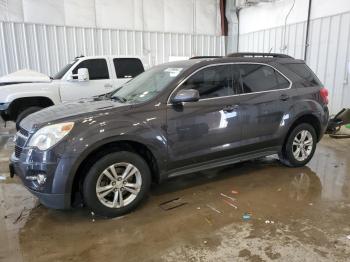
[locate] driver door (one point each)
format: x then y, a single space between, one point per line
99 81
210 128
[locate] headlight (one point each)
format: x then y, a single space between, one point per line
48 136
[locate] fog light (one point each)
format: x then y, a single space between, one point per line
41 179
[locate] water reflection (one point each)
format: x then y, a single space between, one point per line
303 186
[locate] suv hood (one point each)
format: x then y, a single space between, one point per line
68 112
24 76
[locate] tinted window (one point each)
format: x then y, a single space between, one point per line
127 67
308 78
214 81
98 68
258 78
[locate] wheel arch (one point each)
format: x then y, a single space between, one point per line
308 118
20 104
108 147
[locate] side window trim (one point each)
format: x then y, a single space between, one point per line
232 63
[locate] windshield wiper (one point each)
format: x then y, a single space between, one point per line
118 98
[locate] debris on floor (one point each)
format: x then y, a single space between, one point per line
246 216
214 209
234 192
2 178
20 216
269 222
334 128
348 237
231 198
208 221
230 204
172 203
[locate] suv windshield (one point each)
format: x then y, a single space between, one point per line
64 70
147 85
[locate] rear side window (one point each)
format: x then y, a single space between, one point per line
127 67
258 78
307 77
98 68
214 81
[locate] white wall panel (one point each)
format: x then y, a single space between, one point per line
328 52
273 14
184 16
178 17
44 11
207 16
46 48
80 13
153 15
115 14
11 10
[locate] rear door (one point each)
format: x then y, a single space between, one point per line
210 128
99 81
265 103
125 69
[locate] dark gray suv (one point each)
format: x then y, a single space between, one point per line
174 119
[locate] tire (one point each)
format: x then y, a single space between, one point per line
306 149
26 112
110 204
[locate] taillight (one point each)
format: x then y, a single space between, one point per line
324 95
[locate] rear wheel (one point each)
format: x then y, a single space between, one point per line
26 112
116 184
300 146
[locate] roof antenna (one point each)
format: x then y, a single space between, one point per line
270 50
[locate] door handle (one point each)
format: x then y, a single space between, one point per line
108 85
230 108
284 97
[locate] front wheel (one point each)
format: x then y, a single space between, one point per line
116 184
300 146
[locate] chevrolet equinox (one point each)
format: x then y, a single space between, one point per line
174 119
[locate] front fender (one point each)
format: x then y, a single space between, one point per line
9 93
99 133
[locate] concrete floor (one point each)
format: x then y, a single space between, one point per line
309 208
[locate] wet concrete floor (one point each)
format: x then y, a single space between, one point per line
296 214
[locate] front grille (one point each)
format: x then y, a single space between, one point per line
18 151
21 140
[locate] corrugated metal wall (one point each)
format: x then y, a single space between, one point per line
46 48
328 52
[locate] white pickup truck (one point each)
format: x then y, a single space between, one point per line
25 92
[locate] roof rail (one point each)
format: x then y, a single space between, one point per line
259 55
203 57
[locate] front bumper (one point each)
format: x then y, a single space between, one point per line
49 199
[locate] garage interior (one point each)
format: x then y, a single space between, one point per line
257 210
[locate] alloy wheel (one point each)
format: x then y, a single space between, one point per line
118 185
302 145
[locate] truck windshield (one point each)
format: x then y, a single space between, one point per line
146 85
63 70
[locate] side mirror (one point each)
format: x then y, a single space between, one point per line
186 95
83 74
